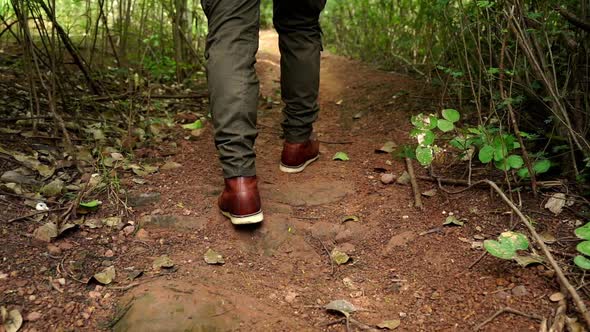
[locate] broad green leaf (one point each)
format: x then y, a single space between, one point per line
583 232
523 173
423 137
507 245
451 115
514 161
195 125
502 165
422 121
445 125
340 156
541 166
500 151
486 153
91 204
584 248
582 262
424 155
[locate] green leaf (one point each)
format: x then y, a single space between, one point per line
423 137
500 151
541 166
507 245
451 115
523 173
341 156
502 165
424 154
422 121
583 232
584 248
582 262
486 153
445 125
514 161
91 204
192 126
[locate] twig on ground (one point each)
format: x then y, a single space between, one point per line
477 260
507 310
33 214
415 188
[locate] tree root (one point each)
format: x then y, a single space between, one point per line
507 310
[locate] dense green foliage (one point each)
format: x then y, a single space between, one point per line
502 61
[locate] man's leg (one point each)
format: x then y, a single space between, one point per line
300 43
231 49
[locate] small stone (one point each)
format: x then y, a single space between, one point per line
403 315
53 250
387 178
34 316
403 179
290 297
79 323
128 230
32 298
109 253
520 291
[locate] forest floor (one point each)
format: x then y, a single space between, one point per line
405 266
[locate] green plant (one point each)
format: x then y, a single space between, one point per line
582 261
492 145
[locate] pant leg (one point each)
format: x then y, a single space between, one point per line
300 43
231 49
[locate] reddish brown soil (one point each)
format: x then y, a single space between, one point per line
279 275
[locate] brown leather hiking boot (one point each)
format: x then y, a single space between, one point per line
296 156
240 201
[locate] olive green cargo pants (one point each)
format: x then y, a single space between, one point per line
231 49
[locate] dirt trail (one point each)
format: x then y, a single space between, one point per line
278 276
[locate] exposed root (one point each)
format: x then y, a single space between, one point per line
507 310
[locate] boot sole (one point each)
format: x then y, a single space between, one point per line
244 220
297 169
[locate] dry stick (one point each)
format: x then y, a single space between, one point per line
509 310
513 121
580 306
415 188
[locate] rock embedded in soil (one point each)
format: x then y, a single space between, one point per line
173 222
520 291
143 199
189 306
387 178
